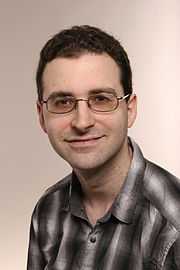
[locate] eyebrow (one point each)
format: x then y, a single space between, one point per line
60 93
90 92
101 90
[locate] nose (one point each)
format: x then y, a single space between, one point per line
83 117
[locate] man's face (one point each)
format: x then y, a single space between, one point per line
86 139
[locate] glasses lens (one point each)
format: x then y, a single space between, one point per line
103 102
60 104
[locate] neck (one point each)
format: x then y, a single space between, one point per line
101 185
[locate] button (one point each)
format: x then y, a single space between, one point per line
93 239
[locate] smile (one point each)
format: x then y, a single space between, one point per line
84 142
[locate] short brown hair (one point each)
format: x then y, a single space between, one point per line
78 40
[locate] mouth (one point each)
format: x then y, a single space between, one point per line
84 142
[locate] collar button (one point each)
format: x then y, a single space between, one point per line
93 239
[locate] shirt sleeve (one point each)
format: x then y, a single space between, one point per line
177 253
35 257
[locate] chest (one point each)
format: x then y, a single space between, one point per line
110 244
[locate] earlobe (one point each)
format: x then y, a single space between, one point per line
41 116
132 110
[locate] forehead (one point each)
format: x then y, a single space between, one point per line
81 74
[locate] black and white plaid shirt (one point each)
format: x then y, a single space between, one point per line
137 232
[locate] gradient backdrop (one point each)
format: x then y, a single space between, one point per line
149 30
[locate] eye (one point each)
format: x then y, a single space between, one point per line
101 98
62 101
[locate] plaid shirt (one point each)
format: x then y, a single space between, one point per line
140 231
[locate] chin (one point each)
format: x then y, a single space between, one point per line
85 163
88 159
84 166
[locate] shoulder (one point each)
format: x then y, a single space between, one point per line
160 175
162 189
55 198
61 185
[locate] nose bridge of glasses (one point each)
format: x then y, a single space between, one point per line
83 110
77 100
83 117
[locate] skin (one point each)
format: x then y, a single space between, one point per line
94 144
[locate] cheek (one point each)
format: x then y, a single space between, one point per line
117 123
56 126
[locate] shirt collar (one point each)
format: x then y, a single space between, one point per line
125 203
75 198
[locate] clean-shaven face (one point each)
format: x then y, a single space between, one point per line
86 139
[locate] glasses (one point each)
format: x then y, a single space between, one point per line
100 102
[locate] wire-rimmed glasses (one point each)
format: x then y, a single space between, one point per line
98 102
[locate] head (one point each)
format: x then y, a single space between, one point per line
78 40
77 63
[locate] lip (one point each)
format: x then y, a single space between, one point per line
84 142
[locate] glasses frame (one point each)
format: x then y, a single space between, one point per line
87 101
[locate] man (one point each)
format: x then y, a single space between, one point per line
116 210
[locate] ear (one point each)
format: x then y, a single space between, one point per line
132 110
41 116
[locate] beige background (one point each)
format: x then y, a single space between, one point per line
149 30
